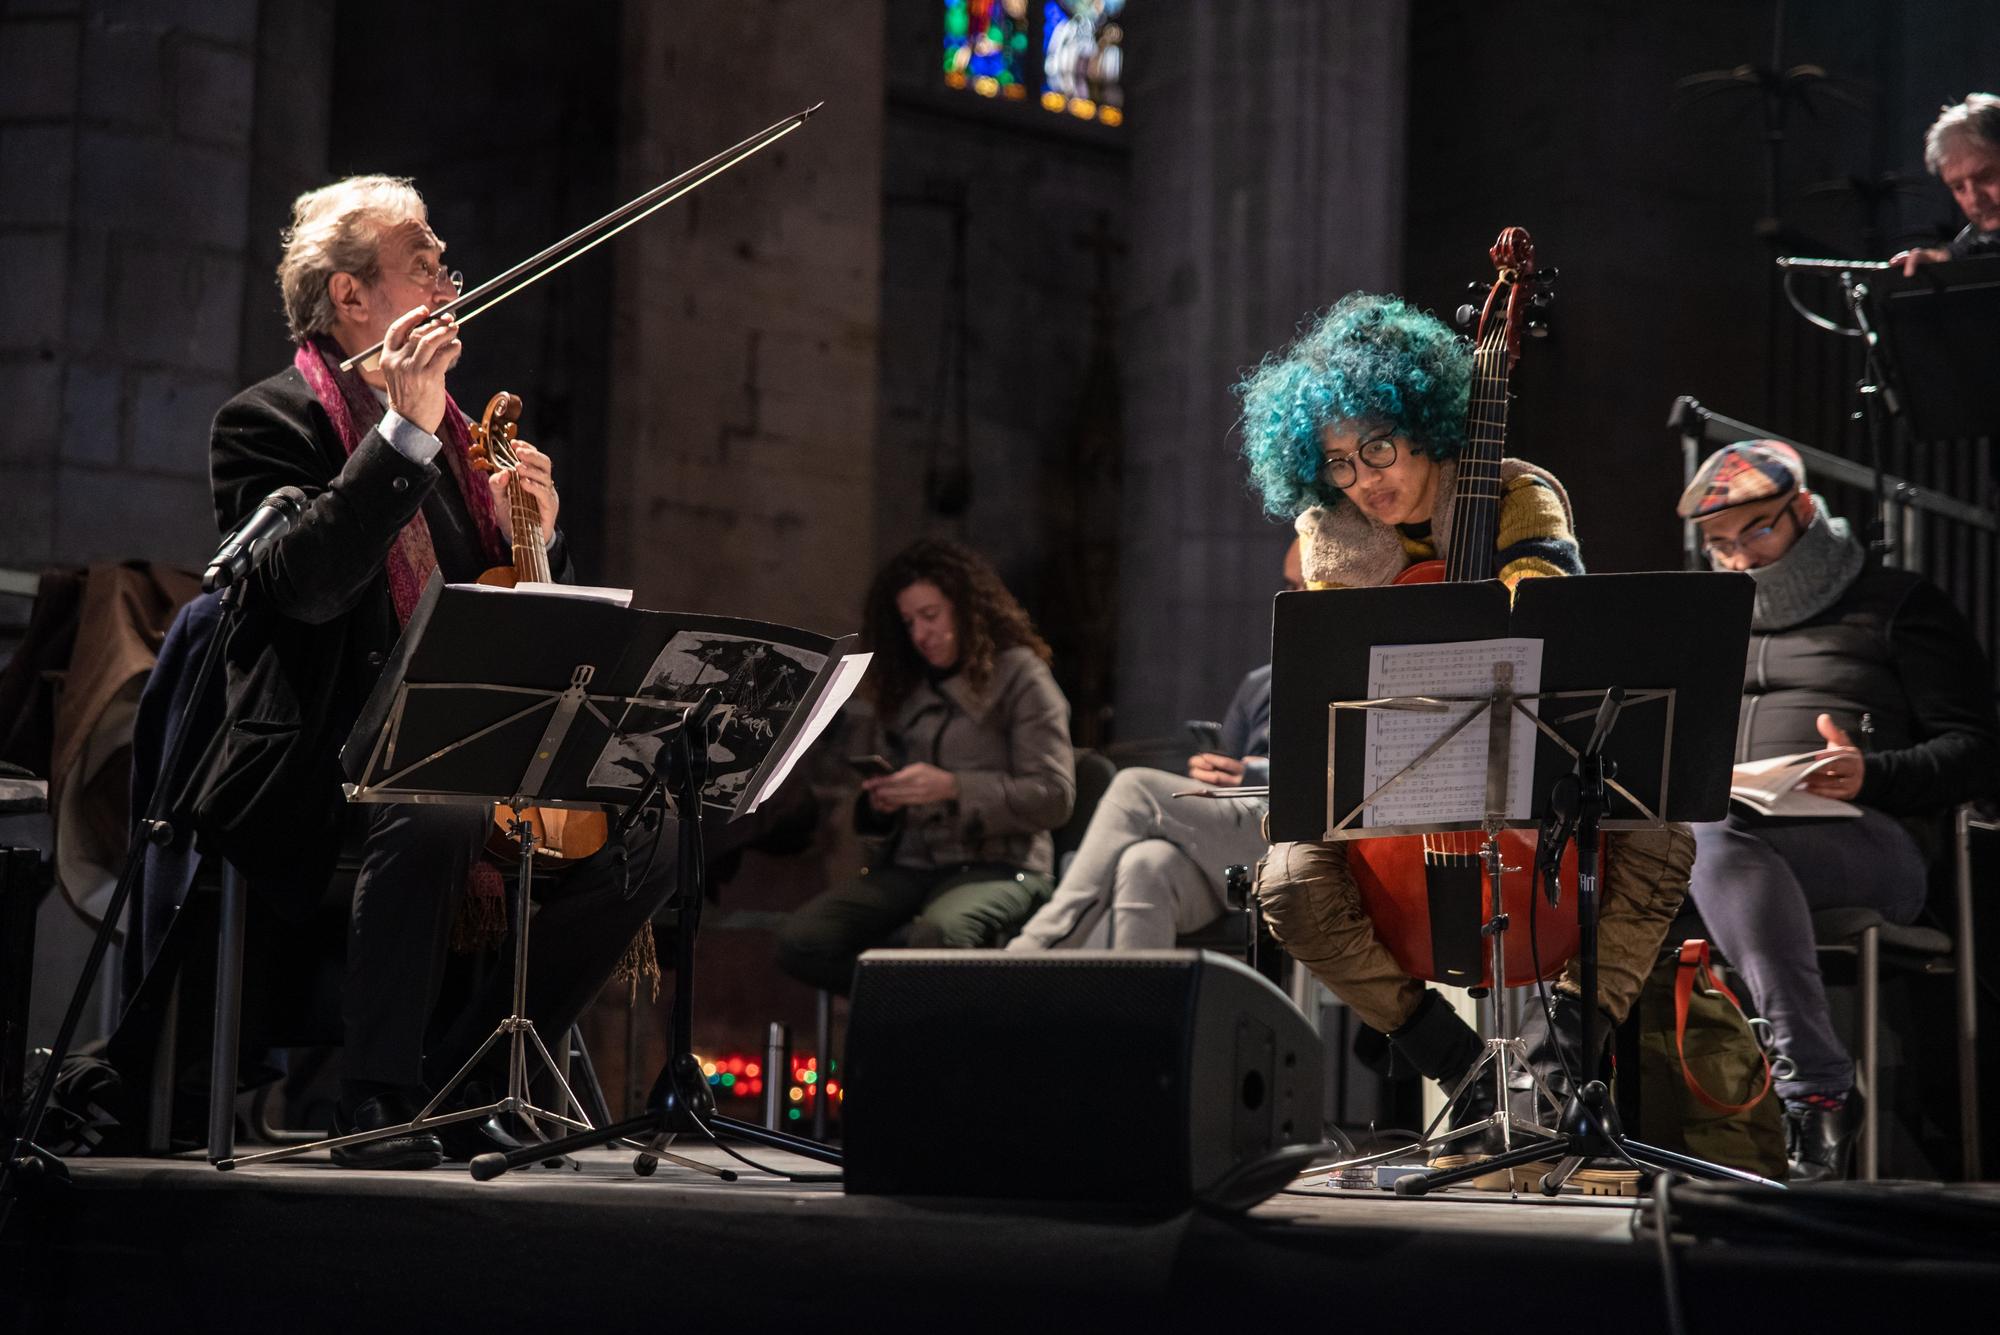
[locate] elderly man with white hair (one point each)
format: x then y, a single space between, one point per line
381 455
1962 149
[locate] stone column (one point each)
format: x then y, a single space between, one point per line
745 330
1267 176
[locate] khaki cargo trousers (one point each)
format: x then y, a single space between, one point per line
1314 910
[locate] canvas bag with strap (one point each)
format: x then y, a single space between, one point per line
1706 1082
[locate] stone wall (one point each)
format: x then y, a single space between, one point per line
746 316
1039 204
127 168
1267 175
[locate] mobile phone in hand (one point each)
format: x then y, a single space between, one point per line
1207 735
871 767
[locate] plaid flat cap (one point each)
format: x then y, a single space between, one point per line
1749 470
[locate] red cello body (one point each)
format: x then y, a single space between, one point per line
1401 878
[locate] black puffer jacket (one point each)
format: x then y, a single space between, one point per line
1893 648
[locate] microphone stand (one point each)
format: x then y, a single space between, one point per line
1588 1128
28 1164
1880 405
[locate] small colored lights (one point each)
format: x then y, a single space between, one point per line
726 1079
812 1063
793 1114
1082 108
752 1069
811 1077
1111 115
735 1066
986 86
797 1094
708 1068
1053 101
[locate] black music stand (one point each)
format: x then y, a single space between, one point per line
1940 326
585 689
1673 644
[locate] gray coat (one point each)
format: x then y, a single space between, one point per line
1009 748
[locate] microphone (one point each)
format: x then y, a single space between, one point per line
244 548
1558 827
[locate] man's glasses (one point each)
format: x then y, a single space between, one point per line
1377 453
429 276
1755 537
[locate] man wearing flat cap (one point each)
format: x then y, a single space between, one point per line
1874 669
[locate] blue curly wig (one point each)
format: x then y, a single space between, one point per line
1370 359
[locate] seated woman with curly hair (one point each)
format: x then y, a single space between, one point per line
1353 433
977 735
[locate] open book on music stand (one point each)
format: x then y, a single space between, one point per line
1450 708
545 699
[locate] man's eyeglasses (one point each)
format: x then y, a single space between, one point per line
1377 453
1755 537
428 276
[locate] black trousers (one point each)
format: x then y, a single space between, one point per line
414 861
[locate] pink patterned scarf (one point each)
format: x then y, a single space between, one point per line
355 412
482 918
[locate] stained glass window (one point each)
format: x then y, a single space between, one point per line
989 46
986 46
1083 57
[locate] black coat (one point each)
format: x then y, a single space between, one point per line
1894 648
316 624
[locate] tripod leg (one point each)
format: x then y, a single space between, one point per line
1654 1157
489 1166
1418 1184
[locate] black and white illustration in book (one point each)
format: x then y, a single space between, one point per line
760 685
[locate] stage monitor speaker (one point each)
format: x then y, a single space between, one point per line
1155 1077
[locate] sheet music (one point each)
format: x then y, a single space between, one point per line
1451 785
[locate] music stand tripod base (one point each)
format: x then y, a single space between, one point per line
516 1030
681 1100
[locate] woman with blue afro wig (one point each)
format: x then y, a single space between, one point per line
1370 359
1353 432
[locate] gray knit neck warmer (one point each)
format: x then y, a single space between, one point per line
1809 578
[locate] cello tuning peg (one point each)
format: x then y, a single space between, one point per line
1541 299
1478 289
1538 329
1466 314
1547 275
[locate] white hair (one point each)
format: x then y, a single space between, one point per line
1977 118
338 228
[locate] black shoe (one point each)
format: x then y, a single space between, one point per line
1819 1137
1553 1038
415 1149
1444 1047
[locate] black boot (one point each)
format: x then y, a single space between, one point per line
1819 1136
1444 1047
1554 1040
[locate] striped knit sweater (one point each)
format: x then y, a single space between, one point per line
1342 547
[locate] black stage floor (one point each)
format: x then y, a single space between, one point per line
139 1245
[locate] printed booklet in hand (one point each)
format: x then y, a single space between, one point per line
1771 787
